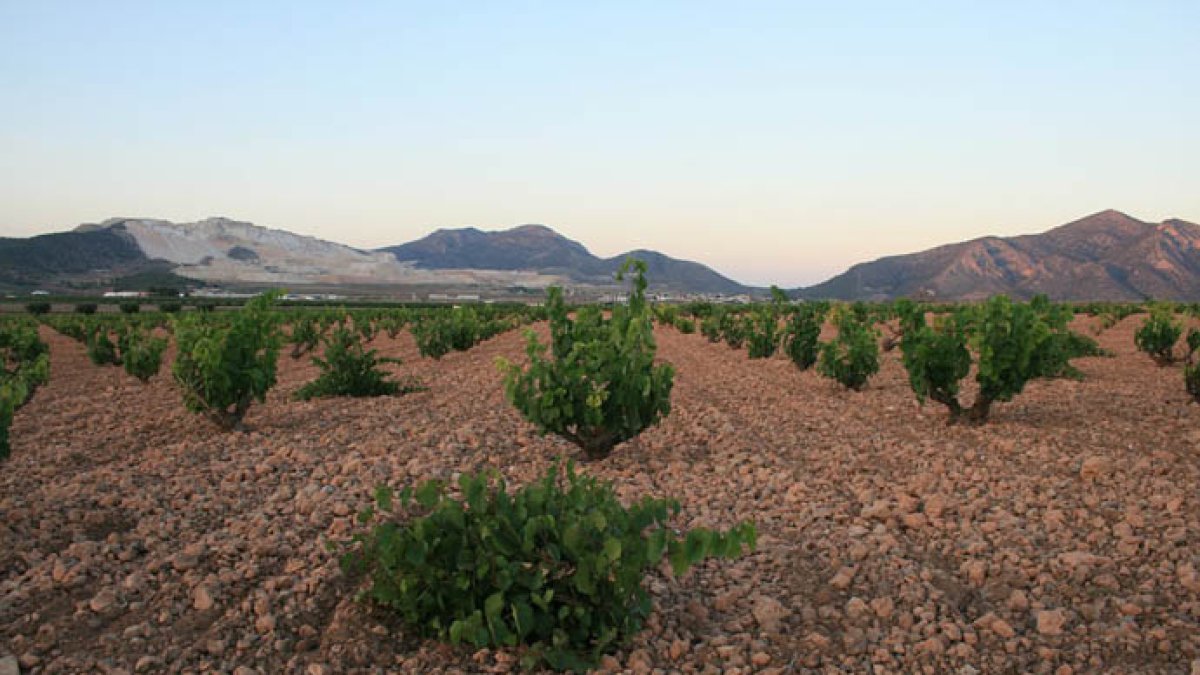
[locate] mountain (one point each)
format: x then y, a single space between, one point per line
526 247
82 253
537 248
1105 256
225 251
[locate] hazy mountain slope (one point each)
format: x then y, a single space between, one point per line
537 248
525 247
683 274
33 261
1106 256
224 251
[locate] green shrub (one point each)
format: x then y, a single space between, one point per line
24 366
456 329
222 367
666 315
852 357
558 565
304 336
141 353
11 394
37 308
85 308
710 327
801 335
1158 334
130 307
350 369
733 329
393 323
1191 370
600 385
762 333
1012 344
101 350
1063 343
170 307
366 329
936 357
686 325
1078 345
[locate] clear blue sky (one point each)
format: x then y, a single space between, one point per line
778 142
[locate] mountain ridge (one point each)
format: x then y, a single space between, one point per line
539 248
1107 255
223 250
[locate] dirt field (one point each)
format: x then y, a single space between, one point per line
1062 537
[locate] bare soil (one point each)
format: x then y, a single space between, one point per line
1063 536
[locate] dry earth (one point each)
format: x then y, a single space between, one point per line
1062 537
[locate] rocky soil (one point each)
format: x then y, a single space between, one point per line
1063 537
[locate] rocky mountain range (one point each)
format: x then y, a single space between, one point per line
224 251
1105 256
539 248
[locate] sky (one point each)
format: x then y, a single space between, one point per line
778 142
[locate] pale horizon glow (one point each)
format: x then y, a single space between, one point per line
775 142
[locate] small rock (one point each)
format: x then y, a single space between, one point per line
146 663
760 659
1188 577
725 601
976 572
769 612
215 647
103 601
1000 627
935 506
202 598
1094 467
883 607
843 578
817 641
678 649
879 510
265 623
1051 621
856 608
1018 601
9 666
932 646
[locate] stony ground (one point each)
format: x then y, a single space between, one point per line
1062 537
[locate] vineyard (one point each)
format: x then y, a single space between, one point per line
779 487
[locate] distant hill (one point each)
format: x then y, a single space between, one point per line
533 247
537 248
1105 256
89 252
226 251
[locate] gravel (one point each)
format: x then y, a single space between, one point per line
1059 538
